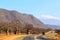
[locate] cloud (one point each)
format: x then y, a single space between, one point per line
50 17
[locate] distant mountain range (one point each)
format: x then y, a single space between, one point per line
52 23
53 26
8 16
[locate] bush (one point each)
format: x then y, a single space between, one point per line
57 31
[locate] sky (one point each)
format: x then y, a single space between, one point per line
47 11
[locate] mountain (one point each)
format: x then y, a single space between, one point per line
8 16
50 21
53 26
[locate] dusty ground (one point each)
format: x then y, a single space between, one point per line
12 36
9 37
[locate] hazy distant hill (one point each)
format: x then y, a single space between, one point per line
53 26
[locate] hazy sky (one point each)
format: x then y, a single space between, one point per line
45 10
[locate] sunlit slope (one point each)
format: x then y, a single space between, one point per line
11 37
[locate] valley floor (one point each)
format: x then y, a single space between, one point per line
13 37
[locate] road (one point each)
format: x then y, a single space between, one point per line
32 38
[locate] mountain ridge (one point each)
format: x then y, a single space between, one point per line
11 15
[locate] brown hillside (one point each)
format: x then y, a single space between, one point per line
7 16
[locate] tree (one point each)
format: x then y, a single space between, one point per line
57 31
28 27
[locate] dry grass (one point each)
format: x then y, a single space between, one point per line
53 36
9 37
12 36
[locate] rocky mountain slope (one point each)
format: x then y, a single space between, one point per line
7 16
